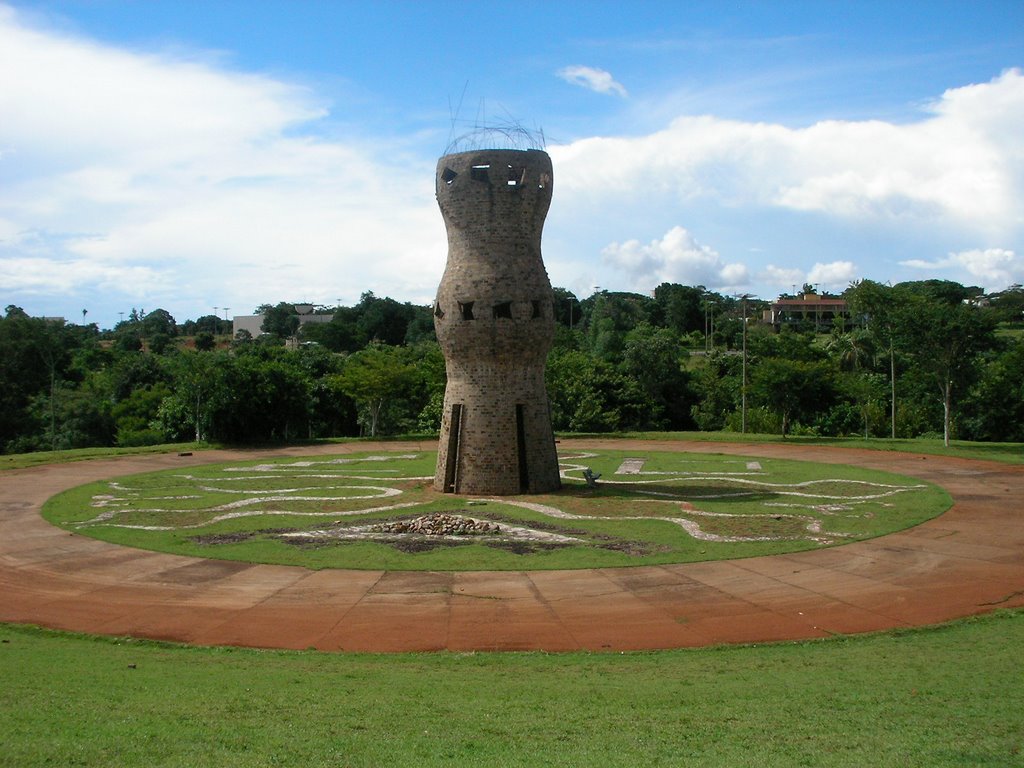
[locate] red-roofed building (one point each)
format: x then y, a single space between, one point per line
808 310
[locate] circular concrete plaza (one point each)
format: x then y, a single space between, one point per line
969 560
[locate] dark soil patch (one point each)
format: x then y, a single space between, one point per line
410 545
424 544
633 548
212 539
528 547
236 537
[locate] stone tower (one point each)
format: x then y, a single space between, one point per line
494 317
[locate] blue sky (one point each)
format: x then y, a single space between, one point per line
192 155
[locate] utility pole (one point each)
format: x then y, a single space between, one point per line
712 325
743 387
709 323
705 323
743 428
892 373
892 384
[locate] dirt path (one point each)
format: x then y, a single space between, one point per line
970 560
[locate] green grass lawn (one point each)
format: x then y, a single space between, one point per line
946 696
672 507
1012 453
1009 453
37 458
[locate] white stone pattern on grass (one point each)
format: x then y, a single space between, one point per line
810 515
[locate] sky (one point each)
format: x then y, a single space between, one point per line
202 157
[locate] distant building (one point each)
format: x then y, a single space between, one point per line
808 310
251 323
254 323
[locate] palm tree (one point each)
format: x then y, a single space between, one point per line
853 351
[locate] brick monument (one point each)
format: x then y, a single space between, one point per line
494 317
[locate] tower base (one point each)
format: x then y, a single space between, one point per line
497 442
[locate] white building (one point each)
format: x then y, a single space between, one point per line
254 323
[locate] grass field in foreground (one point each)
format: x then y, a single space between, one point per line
946 696
649 508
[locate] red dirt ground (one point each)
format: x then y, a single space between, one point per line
969 560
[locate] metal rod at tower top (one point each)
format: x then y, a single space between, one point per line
495 320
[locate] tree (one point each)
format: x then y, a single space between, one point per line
995 406
34 356
420 327
332 411
567 308
653 358
69 417
130 371
854 352
372 377
589 395
280 320
940 291
339 335
793 389
425 396
944 341
205 341
876 308
1008 305
253 398
159 343
209 323
385 321
135 415
717 384
787 343
680 308
159 321
128 339
610 316
196 381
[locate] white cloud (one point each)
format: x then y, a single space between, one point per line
592 79
88 98
996 268
42 275
136 172
781 277
961 165
835 275
675 258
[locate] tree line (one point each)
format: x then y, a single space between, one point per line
928 358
